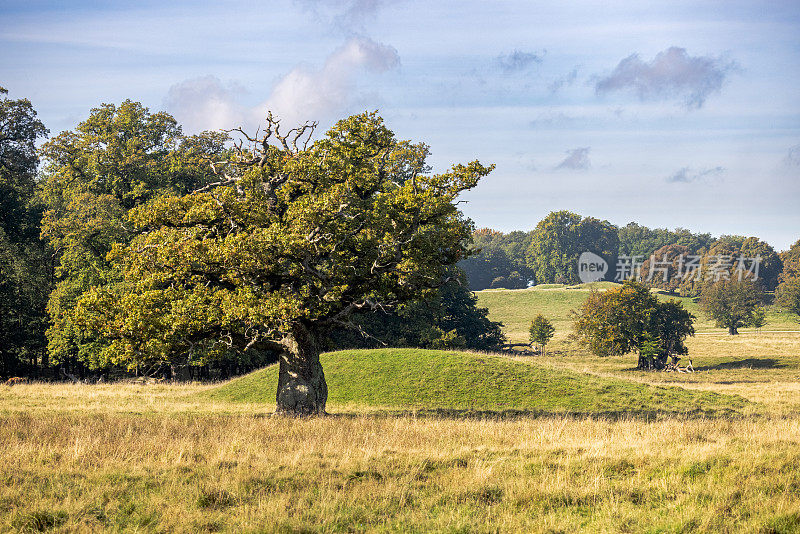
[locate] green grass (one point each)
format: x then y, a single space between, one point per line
403 453
515 308
416 379
761 366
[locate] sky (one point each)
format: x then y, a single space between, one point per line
671 114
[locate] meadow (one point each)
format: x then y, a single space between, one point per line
426 441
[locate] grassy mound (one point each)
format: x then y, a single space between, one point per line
420 379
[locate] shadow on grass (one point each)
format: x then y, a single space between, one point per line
747 363
512 415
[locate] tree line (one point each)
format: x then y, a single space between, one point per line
549 254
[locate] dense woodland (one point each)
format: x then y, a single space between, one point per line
549 253
80 211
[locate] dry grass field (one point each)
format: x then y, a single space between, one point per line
182 458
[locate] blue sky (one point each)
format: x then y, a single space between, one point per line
671 114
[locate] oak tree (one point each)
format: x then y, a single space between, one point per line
293 238
733 304
788 295
630 317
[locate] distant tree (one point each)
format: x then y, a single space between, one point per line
637 240
291 240
561 237
770 265
25 267
788 295
516 245
734 257
663 269
541 331
733 304
516 281
499 260
499 283
513 281
791 262
117 159
696 243
485 266
620 320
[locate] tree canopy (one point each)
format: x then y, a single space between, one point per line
448 319
117 159
788 295
24 264
292 239
637 240
541 331
733 257
663 268
791 262
630 317
733 304
499 260
561 237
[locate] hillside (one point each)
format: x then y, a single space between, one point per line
415 379
515 308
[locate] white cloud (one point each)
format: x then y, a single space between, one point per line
206 103
347 15
687 175
672 73
563 81
518 60
304 94
577 159
316 94
792 158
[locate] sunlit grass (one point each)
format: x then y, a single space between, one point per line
418 379
516 308
426 441
239 473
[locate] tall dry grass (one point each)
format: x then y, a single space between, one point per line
76 470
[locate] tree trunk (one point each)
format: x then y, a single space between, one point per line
732 330
301 383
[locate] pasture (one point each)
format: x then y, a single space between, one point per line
421 441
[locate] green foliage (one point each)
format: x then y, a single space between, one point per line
662 268
637 240
426 379
618 321
771 264
498 261
649 351
788 295
117 159
733 304
791 262
447 320
24 266
287 245
541 331
727 250
561 237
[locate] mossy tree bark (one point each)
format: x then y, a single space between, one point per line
301 381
